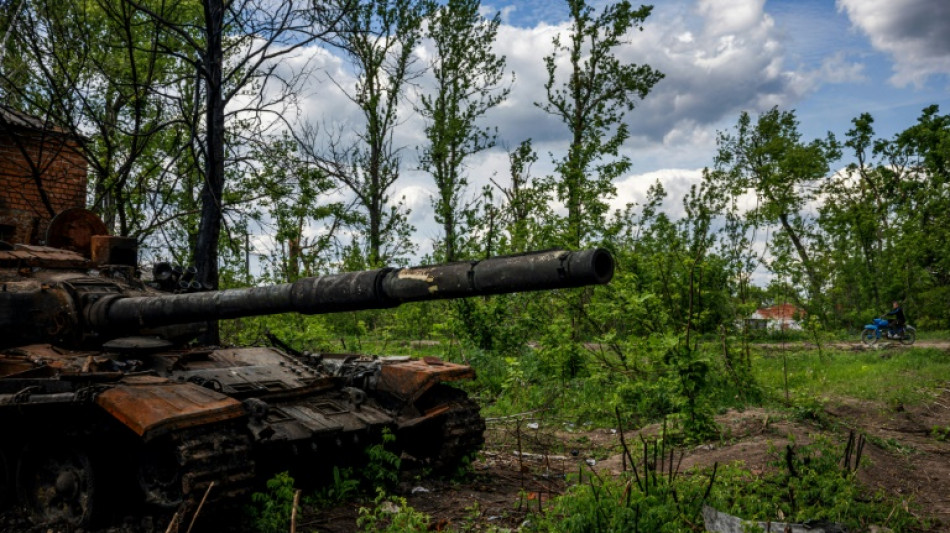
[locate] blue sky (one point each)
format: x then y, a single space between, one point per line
828 60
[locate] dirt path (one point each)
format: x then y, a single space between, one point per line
855 345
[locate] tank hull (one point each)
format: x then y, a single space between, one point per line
172 423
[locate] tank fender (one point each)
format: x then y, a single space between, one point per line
152 406
408 380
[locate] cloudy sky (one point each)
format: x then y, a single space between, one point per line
828 60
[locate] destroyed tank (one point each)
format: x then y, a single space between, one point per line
103 392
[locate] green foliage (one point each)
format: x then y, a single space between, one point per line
905 378
807 483
941 433
392 514
487 323
803 483
270 511
379 40
468 83
767 158
301 332
599 91
342 487
626 503
382 468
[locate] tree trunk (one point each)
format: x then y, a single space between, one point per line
814 286
209 229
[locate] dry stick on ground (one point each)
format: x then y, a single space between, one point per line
857 460
172 523
293 513
848 448
200 505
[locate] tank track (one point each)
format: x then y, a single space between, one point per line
459 434
219 454
463 431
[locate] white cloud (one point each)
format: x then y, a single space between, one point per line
915 33
675 181
729 17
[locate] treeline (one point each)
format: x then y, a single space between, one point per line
186 114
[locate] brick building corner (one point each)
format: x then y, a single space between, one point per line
36 158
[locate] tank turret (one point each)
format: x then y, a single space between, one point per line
99 392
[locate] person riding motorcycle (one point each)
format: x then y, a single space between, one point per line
896 324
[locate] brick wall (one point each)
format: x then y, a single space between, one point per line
63 174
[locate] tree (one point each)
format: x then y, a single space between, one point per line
379 39
769 159
600 89
296 189
93 70
231 45
468 76
524 218
885 219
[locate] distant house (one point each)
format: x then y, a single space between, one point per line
782 317
42 173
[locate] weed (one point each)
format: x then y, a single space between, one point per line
809 409
270 511
382 469
804 483
343 487
392 514
809 483
892 445
941 433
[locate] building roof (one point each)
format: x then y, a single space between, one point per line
10 117
779 312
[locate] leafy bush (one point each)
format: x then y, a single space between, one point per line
808 483
392 514
342 487
270 511
804 483
382 469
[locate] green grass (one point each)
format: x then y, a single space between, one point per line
907 376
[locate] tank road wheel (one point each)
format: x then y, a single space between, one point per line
58 485
159 475
448 440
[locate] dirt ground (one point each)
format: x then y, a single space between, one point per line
902 457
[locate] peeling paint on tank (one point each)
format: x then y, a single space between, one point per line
412 274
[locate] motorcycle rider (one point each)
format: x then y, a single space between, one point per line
896 325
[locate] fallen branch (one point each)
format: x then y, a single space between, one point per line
200 505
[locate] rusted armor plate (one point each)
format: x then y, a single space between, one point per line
409 379
151 409
42 256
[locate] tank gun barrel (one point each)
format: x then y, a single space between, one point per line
369 289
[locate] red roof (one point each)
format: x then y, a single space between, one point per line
780 312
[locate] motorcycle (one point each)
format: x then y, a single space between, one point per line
880 328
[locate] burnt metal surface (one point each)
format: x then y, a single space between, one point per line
23 255
98 380
73 229
372 289
409 380
150 409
